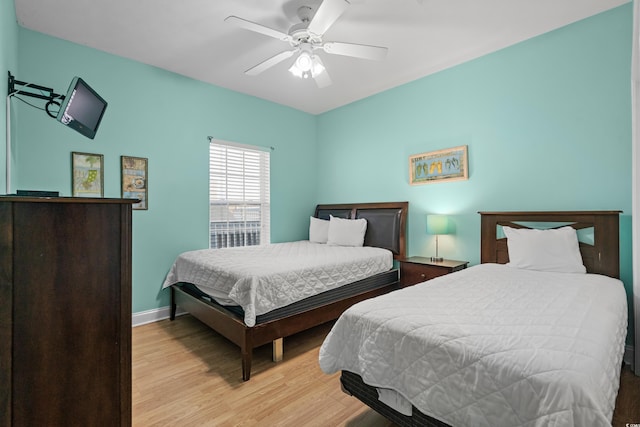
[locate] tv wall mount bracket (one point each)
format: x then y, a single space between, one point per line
46 93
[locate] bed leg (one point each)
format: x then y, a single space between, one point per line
277 350
172 315
246 364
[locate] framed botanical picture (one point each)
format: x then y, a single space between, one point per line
87 175
438 166
135 180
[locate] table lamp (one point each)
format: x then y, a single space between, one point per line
437 224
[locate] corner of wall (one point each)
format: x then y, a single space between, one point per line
8 62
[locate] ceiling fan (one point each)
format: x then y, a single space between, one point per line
305 38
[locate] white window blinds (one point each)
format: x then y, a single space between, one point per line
238 195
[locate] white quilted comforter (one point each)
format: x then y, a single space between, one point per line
492 346
263 278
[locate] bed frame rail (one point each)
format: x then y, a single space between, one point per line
247 338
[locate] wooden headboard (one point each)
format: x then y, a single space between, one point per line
601 257
386 222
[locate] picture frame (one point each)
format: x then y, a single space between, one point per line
87 174
134 180
450 164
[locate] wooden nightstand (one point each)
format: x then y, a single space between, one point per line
418 269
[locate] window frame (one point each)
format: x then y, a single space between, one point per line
239 185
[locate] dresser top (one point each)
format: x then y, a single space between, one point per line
27 199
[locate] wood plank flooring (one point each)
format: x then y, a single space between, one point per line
184 374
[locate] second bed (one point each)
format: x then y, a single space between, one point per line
256 295
529 343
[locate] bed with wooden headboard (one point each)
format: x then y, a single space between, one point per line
386 228
602 256
574 327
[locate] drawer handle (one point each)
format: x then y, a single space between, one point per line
423 275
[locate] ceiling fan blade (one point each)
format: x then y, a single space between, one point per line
328 12
356 50
252 26
322 79
269 62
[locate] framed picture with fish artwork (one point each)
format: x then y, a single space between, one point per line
135 180
438 166
87 175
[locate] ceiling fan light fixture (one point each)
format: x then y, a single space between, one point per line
306 66
304 62
296 71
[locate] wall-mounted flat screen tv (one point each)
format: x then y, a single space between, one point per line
82 108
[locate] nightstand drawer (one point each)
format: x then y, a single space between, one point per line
416 273
417 269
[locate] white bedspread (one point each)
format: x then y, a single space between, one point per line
492 346
263 278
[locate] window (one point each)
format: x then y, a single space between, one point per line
238 195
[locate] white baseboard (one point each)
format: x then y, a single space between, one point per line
154 315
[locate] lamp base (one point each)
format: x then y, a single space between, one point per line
437 259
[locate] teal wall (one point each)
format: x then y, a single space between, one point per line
547 123
166 118
8 62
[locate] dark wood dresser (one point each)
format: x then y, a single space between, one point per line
65 312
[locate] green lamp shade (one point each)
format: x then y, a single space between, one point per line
437 224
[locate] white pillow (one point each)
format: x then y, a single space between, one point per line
545 250
346 232
318 230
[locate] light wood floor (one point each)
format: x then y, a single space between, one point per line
184 374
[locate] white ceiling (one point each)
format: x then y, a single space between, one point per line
190 37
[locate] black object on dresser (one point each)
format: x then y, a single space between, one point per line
418 269
65 311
